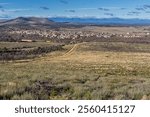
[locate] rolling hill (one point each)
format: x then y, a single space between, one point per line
29 21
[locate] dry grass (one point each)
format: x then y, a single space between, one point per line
87 72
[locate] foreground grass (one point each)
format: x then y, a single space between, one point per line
88 71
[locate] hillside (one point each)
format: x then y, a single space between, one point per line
29 21
101 70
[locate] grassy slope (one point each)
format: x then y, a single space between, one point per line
11 45
89 71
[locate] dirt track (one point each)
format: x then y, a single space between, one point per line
70 51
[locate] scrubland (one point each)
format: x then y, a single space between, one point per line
88 70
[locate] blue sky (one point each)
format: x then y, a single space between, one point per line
75 8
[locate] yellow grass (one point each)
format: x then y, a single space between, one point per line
89 74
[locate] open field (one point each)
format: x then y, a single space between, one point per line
88 70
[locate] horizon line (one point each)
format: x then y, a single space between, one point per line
87 17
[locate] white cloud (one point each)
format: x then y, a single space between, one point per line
86 8
4 3
17 10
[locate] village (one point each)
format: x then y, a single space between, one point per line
75 34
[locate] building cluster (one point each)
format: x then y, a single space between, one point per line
51 34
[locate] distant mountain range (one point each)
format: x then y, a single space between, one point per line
103 21
63 21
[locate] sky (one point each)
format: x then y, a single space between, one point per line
75 8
